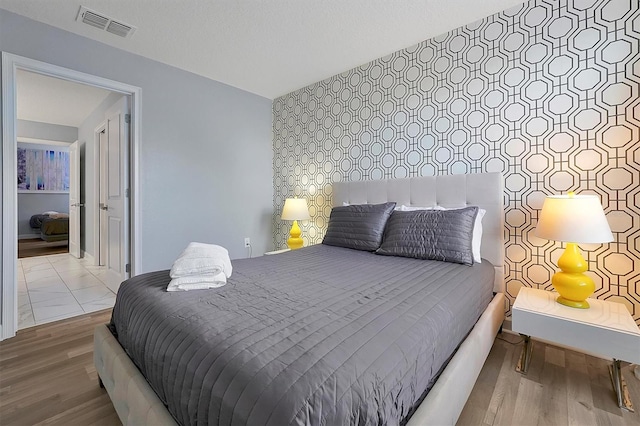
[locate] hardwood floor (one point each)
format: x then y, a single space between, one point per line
47 377
36 247
562 387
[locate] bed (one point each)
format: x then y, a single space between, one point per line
382 298
51 227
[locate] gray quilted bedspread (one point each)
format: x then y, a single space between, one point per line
317 336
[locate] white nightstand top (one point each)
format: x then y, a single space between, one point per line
606 328
277 251
602 313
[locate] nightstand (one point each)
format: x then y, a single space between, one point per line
606 328
277 252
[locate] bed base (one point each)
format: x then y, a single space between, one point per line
132 397
447 397
137 404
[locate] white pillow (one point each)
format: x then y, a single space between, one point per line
404 208
476 240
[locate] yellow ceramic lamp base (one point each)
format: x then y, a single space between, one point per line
572 284
294 241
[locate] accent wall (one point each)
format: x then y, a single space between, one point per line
546 93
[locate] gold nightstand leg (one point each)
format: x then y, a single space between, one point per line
620 386
525 356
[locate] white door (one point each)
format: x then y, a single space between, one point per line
117 202
102 200
74 200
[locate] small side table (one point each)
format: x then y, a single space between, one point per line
277 252
606 328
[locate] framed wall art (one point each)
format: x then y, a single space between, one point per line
43 170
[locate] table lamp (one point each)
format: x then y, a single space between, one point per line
573 219
295 209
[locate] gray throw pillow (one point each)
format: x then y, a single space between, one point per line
431 234
358 227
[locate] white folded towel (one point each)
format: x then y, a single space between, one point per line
197 282
200 266
202 259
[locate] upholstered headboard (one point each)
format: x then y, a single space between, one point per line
484 190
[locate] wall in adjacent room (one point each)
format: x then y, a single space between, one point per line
89 172
546 93
46 131
34 203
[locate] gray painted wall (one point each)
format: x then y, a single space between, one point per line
205 151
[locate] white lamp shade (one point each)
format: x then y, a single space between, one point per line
573 219
295 209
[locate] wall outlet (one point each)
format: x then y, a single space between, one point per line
247 242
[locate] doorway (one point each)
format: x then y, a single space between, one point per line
128 184
43 189
54 197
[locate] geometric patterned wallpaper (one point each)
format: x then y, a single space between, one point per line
546 93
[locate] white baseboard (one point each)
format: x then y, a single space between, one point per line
28 236
87 256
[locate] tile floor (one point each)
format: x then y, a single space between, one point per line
59 286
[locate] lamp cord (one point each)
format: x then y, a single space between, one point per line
510 342
250 251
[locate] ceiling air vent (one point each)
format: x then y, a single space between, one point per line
104 23
95 20
118 29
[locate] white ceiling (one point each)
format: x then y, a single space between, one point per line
55 101
266 47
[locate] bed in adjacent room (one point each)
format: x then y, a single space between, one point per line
322 335
52 226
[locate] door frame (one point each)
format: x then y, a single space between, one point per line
75 221
11 63
96 190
